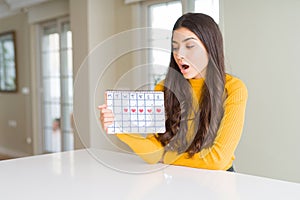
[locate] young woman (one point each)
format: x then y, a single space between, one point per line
204 106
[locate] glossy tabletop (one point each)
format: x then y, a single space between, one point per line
100 174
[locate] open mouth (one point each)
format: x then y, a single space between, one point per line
184 66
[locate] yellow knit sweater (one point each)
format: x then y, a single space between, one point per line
220 155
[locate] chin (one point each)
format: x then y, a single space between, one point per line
189 76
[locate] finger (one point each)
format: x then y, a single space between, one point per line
103 106
106 111
107 114
106 125
108 120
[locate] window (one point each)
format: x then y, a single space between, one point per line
209 7
8 68
161 16
56 86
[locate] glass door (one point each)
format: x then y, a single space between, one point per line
56 86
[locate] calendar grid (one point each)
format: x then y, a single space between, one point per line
136 111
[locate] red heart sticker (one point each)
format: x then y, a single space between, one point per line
133 110
149 110
158 110
141 110
125 109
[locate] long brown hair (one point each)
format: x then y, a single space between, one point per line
178 93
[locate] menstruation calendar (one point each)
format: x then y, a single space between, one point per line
136 111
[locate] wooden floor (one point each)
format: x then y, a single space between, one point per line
4 157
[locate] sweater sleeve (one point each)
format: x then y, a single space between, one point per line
148 148
221 154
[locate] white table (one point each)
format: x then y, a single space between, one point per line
100 174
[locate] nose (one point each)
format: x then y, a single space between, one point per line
179 54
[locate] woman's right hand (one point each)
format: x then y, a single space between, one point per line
106 116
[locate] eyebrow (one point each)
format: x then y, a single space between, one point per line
186 39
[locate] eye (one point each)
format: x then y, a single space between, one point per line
190 46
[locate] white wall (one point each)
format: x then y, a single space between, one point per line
79 28
17 106
262 48
97 22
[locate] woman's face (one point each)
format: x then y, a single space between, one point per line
189 53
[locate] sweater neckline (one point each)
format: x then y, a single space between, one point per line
196 83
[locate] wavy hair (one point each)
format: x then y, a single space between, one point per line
178 93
